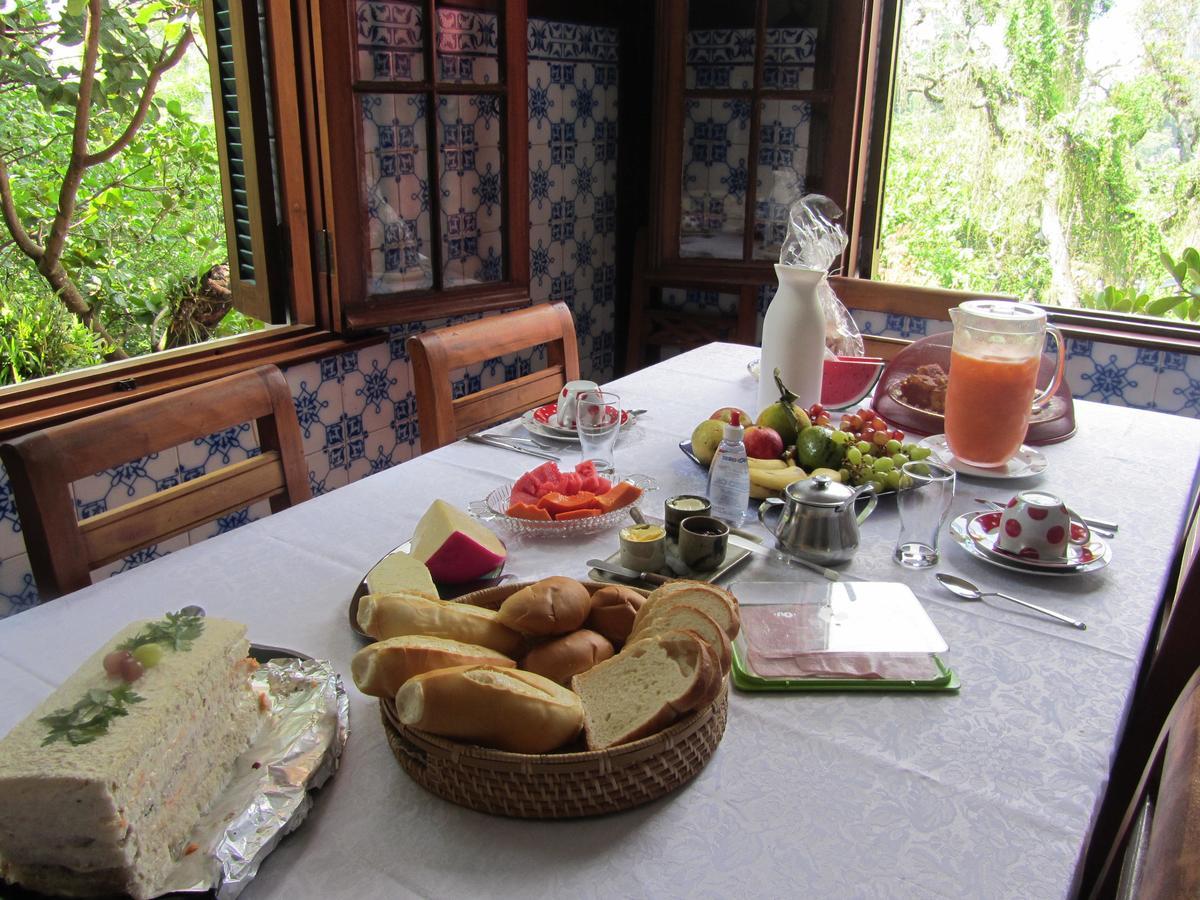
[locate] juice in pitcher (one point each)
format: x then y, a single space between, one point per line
994 364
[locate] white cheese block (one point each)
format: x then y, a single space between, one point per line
454 546
399 572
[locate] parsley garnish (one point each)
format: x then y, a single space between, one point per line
89 718
176 631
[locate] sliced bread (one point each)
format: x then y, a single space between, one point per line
711 600
678 617
646 687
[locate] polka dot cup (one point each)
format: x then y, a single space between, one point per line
1037 525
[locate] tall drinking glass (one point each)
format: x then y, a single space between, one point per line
994 363
598 423
926 492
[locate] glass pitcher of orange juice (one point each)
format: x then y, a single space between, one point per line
994 364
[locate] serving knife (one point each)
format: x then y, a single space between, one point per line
493 441
602 565
737 540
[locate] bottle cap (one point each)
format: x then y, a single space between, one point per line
733 428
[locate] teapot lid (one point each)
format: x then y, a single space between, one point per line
820 490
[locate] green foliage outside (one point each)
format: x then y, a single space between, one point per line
147 221
1047 149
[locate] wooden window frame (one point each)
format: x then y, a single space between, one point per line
342 162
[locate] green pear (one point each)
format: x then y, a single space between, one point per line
705 439
788 424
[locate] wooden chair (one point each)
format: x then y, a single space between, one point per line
42 466
435 354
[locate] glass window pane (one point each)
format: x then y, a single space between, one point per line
396 181
470 180
391 37
782 170
720 45
716 147
468 41
790 58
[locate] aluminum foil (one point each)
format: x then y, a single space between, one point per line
297 750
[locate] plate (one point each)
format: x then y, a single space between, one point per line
493 510
734 556
959 532
1028 462
984 530
1054 408
686 448
545 416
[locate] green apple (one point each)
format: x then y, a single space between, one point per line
725 414
705 439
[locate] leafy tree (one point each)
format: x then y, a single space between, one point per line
79 167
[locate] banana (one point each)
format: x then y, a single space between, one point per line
775 479
766 463
834 474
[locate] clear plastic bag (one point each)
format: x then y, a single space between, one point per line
814 240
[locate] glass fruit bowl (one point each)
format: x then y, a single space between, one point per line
493 510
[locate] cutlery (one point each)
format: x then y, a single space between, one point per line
493 441
968 591
601 565
1105 529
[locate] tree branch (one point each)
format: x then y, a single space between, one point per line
164 63
13 221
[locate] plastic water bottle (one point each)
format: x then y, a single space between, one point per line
729 475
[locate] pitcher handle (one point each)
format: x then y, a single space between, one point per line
872 500
1041 399
764 509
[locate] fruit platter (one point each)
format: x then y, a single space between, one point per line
788 443
547 500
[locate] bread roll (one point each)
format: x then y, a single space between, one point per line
508 709
678 617
385 616
554 605
645 687
613 611
568 655
708 598
381 668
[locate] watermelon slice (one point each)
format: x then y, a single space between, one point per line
586 468
846 381
526 497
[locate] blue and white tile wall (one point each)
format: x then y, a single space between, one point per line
357 409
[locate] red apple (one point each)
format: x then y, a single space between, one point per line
762 442
725 414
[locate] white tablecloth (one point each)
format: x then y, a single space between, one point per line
986 793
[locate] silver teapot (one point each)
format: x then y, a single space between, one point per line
817 520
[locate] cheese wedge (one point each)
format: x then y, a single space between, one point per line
399 572
454 546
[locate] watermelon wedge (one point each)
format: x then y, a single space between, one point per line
847 380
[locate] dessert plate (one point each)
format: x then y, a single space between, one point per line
984 530
1054 408
545 416
960 532
1028 462
552 432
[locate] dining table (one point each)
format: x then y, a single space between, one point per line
983 792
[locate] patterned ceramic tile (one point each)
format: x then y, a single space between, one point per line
467 46
720 59
790 59
141 557
133 480
317 393
1110 373
390 39
235 519
1178 388
12 542
781 170
715 177
894 325
17 590
469 178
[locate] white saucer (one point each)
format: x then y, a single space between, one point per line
960 532
1028 462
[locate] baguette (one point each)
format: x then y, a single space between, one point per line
613 611
679 617
569 655
554 605
645 688
508 709
385 616
380 669
708 598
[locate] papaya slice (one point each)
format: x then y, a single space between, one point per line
576 514
557 503
528 511
621 495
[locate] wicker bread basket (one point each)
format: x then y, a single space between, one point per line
556 785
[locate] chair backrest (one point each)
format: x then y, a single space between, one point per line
42 466
436 354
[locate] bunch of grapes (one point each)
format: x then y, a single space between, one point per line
871 451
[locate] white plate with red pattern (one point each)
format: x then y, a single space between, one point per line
977 533
546 425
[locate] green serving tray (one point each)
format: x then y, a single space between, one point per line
745 681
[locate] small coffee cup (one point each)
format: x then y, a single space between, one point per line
643 548
676 509
1038 525
703 542
568 402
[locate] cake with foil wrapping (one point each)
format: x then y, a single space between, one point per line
101 785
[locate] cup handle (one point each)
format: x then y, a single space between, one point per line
1059 367
764 510
1076 519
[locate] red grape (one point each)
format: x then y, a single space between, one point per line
131 669
856 422
113 662
898 435
881 438
867 434
879 424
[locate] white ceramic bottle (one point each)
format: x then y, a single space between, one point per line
793 338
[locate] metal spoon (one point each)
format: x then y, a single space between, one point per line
968 591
